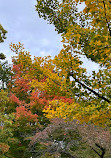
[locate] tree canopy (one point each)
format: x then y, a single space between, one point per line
53 107
86 33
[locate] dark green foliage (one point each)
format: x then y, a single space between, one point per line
2 34
5 73
2 56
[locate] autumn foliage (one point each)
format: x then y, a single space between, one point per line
53 107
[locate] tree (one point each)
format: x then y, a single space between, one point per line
71 139
91 25
5 74
2 37
6 121
35 90
87 33
5 69
30 91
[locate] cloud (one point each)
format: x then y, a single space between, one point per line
44 53
23 24
81 6
45 42
89 65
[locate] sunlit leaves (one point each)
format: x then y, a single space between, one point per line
88 33
47 79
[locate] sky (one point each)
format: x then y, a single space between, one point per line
23 24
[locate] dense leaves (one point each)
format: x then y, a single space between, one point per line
37 87
65 139
88 30
53 107
87 33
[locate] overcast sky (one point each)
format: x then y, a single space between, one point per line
23 24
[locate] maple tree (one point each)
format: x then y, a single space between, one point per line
86 33
42 88
32 93
32 86
71 139
25 100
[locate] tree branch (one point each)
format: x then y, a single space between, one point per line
95 151
103 150
84 86
91 90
